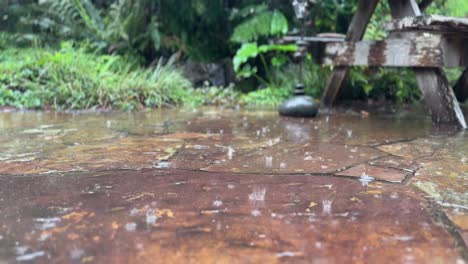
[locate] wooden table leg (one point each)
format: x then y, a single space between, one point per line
438 95
461 88
355 33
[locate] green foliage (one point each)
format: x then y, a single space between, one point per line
220 96
143 31
267 97
257 23
264 24
397 85
315 78
375 30
73 79
252 50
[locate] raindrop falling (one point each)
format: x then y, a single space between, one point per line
327 206
258 194
151 217
217 203
268 162
230 152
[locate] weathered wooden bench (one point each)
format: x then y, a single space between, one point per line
423 43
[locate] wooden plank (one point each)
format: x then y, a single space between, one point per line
423 50
294 39
438 95
434 23
461 88
355 33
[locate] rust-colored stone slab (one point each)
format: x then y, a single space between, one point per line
444 178
385 174
122 153
416 149
305 158
197 217
198 154
400 163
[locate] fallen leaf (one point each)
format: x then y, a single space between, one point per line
165 212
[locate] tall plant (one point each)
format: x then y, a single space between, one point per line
256 24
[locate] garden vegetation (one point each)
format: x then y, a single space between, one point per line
126 54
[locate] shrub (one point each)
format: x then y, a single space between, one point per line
73 79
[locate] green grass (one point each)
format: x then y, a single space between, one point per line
73 79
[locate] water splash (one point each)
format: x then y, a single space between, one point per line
130 227
77 253
366 179
268 162
31 256
230 152
162 165
256 213
150 217
349 133
282 165
217 203
258 194
46 223
327 206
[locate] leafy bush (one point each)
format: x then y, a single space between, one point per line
257 57
73 79
314 77
267 97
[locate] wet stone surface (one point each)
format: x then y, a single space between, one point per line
182 216
231 186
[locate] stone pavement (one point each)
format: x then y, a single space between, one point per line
227 186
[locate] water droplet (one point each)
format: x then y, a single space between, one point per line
230 152
130 227
282 165
151 218
46 223
366 179
31 256
256 213
217 203
163 165
77 253
258 194
327 206
268 162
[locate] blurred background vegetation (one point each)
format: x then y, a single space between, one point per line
135 54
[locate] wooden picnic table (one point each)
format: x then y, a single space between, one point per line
423 43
